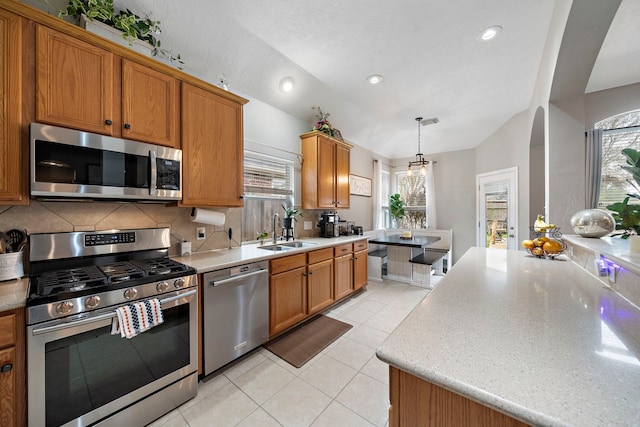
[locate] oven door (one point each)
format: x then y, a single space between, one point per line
78 373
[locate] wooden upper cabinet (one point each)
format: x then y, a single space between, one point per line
325 172
13 146
149 105
212 149
74 83
342 176
85 87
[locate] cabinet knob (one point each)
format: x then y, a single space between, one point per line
6 368
108 122
127 126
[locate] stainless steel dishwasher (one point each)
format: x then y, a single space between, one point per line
235 313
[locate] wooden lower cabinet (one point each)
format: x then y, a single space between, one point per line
304 284
343 276
360 274
416 402
287 292
12 378
320 280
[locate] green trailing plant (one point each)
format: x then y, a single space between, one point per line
396 207
291 212
627 216
132 26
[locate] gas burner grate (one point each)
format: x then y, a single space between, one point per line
159 266
71 279
121 271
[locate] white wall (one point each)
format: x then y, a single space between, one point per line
606 103
509 147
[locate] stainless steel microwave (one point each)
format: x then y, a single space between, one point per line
66 163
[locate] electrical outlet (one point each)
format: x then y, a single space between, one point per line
308 225
201 233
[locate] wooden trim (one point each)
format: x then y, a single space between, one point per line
416 402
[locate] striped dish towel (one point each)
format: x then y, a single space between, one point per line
132 319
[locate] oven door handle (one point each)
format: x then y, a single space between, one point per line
101 317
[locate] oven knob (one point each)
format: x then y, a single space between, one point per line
162 287
130 293
179 283
92 301
64 307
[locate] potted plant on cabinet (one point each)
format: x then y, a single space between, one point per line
132 26
396 209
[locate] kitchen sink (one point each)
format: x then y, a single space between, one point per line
286 246
274 248
297 244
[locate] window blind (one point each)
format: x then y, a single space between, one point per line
614 184
267 177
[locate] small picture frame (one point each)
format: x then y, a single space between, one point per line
359 185
337 134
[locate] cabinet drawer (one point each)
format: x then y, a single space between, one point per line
7 330
343 249
287 263
360 245
320 255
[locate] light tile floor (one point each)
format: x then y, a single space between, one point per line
344 385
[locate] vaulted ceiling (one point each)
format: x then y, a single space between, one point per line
427 51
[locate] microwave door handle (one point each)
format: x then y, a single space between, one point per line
153 170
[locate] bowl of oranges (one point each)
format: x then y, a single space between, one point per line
544 247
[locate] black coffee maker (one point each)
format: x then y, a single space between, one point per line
329 225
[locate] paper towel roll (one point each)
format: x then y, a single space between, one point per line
634 244
204 216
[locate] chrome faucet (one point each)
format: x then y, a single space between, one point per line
273 237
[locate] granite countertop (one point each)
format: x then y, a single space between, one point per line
13 293
542 341
223 258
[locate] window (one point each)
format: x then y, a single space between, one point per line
268 184
619 132
412 191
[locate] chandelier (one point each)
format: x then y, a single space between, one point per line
419 162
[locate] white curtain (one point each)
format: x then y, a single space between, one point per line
593 167
375 193
430 189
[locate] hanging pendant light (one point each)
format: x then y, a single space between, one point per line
419 162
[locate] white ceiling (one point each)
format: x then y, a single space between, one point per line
427 51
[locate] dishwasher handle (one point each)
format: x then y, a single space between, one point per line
236 278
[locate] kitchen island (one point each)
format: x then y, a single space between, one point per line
541 341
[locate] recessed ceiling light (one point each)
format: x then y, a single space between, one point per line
286 84
374 79
490 33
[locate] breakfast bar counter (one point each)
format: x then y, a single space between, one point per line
541 341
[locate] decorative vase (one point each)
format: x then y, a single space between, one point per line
592 223
287 222
115 35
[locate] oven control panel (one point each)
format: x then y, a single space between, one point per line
109 238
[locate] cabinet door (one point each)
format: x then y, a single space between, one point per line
320 285
74 83
12 172
8 416
360 261
212 149
326 173
342 176
287 299
343 276
149 105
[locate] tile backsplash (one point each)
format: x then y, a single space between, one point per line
47 217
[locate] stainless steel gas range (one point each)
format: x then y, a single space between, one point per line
79 373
